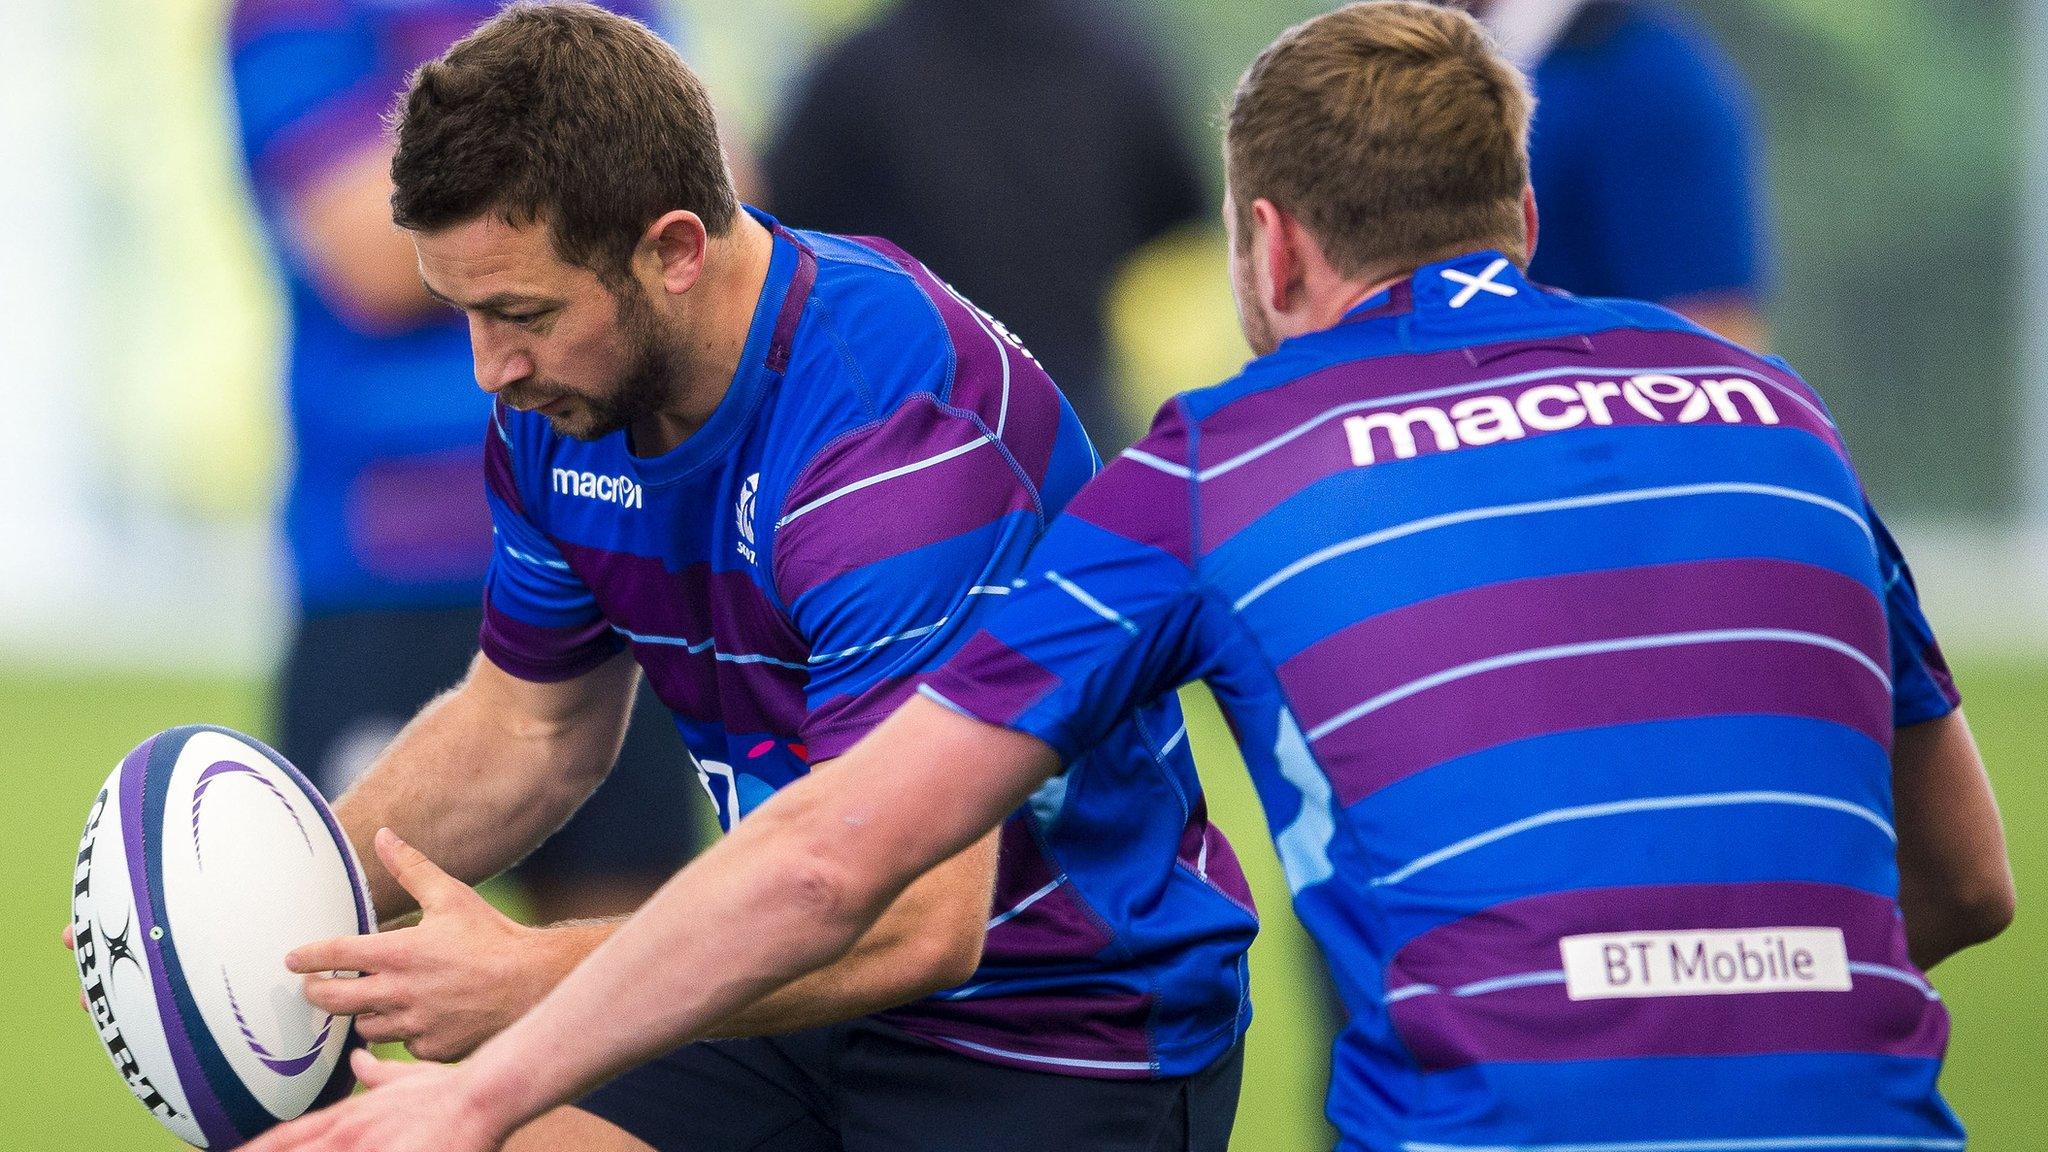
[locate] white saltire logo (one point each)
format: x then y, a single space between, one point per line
743 514
1474 285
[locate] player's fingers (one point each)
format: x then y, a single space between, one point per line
382 1029
423 878
351 995
375 1073
373 953
70 941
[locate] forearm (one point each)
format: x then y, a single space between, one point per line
928 940
681 975
476 783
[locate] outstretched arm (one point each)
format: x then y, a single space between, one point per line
806 875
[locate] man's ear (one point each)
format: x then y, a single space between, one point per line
676 245
1529 222
1277 240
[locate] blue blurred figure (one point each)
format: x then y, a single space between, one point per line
1644 158
385 522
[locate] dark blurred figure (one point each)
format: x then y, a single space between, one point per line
1644 158
1023 148
385 522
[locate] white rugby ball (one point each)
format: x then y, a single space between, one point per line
206 858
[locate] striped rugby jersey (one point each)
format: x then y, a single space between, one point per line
1566 652
865 492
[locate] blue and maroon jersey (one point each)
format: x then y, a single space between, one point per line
865 493
1566 653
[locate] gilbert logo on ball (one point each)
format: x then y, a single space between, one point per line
206 858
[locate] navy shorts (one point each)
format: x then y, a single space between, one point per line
865 1087
351 681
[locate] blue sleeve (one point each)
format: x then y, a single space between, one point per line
1108 616
1923 689
1673 178
541 622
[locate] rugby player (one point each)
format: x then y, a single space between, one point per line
1609 755
786 474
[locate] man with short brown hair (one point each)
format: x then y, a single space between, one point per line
1606 748
785 474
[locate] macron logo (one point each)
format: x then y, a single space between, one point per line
620 490
1491 419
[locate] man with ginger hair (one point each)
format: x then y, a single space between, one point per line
1607 750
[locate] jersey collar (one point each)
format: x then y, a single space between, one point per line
792 271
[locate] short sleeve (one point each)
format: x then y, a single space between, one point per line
890 547
541 622
1674 177
1923 689
1108 615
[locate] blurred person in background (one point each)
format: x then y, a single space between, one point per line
1025 148
1644 158
386 525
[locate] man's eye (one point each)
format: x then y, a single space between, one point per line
524 319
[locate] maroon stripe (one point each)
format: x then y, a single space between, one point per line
935 503
1143 503
642 595
1110 1026
1541 1022
639 594
1058 927
1236 498
1407 644
1579 692
793 301
985 354
993 680
542 654
1206 851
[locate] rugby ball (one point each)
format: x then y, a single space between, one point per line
206 858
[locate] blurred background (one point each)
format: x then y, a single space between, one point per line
1898 175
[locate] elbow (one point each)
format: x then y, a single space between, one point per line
948 954
1982 914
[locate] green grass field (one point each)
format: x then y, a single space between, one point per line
65 734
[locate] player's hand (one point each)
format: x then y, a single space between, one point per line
444 986
408 1108
72 943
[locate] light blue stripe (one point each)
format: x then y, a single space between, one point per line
516 554
871 645
1866 968
1505 983
1328 415
1173 741
1624 807
1304 845
1410 992
1754 1144
1018 908
1055 1061
1091 603
1534 507
1590 648
891 474
698 647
